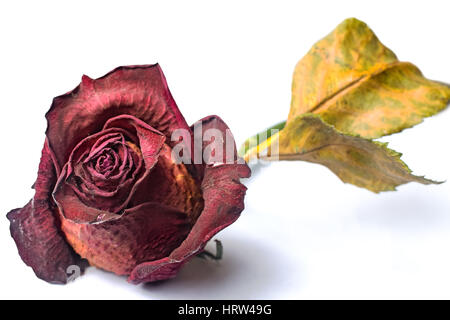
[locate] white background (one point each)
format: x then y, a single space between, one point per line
303 234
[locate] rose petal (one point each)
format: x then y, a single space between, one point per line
147 232
225 145
224 200
139 91
85 207
35 229
157 270
170 184
226 142
150 140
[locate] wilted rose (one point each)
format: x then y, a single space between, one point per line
111 193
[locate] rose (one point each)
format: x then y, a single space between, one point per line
109 190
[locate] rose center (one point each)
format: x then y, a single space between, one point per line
105 162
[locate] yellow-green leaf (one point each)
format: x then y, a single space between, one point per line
362 162
358 85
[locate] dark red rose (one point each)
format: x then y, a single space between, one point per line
109 192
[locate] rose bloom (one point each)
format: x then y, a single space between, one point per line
109 192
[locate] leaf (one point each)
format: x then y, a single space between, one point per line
347 90
360 87
362 162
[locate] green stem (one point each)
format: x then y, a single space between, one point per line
259 137
217 256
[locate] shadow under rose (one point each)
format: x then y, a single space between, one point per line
416 210
247 271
